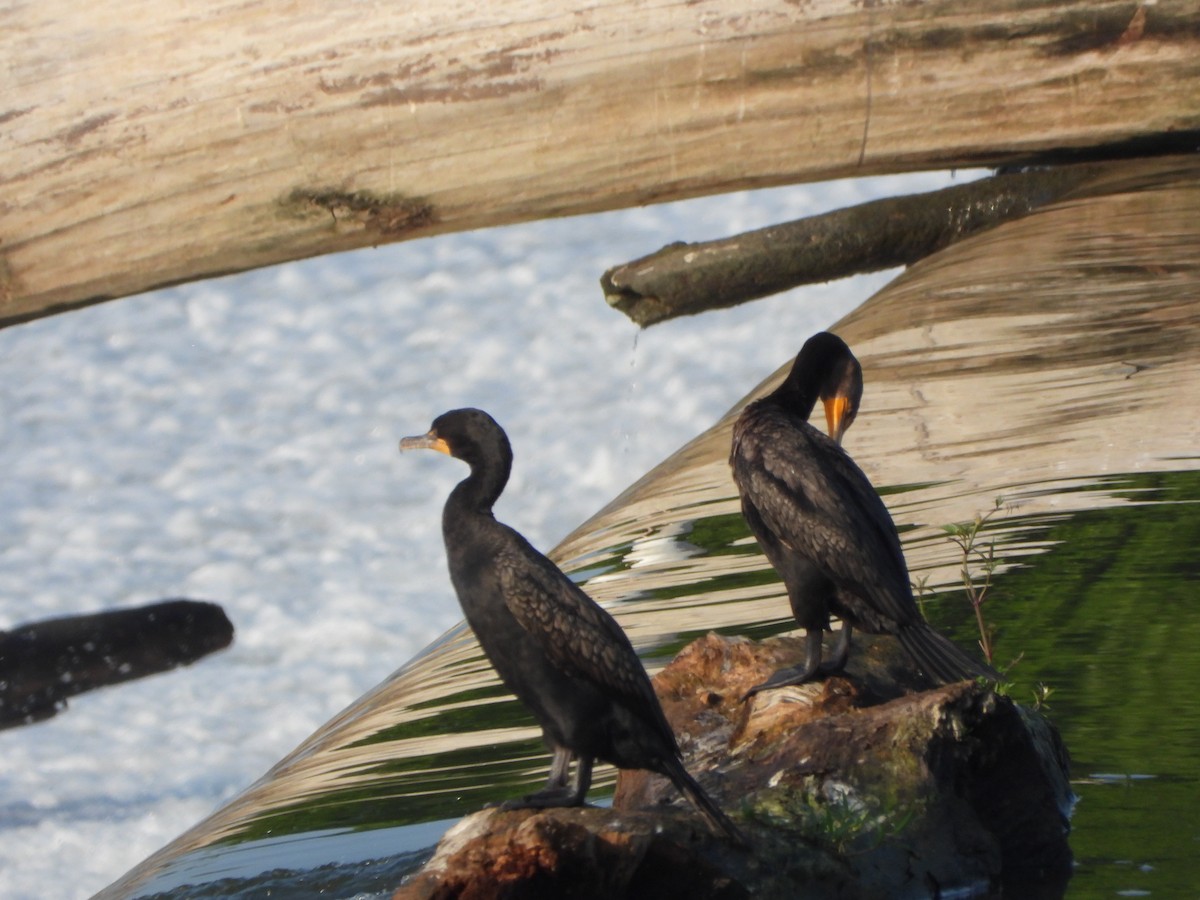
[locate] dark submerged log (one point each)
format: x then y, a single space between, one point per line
44 663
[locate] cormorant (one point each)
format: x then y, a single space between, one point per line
822 525
553 646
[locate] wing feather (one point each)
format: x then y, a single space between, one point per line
577 635
818 503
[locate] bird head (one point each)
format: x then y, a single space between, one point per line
824 370
467 434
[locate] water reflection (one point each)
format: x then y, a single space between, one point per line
1052 362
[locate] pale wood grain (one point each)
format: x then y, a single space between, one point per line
144 143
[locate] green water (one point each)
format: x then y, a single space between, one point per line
1110 620
1106 618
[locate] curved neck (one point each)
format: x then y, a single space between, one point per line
797 394
480 490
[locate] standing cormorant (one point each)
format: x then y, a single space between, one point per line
562 655
822 525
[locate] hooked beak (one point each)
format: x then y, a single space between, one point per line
428 441
837 416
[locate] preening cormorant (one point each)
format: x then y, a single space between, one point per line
553 646
822 525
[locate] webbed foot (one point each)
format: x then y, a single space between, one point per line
783 678
798 674
547 798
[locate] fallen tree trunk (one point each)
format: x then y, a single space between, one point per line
144 144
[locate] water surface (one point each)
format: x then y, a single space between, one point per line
1052 363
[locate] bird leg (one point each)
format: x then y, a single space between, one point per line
795 674
558 792
841 651
583 779
560 767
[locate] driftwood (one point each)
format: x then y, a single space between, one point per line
851 787
683 279
44 663
146 143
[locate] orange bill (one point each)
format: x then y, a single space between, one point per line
428 441
836 409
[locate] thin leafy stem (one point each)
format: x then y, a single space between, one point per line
975 556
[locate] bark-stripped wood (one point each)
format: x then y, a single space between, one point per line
145 143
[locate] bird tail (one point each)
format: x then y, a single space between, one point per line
940 658
708 808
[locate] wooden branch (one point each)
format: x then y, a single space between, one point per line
145 143
683 279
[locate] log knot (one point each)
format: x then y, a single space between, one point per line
392 214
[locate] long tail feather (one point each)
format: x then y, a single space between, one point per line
708 808
940 658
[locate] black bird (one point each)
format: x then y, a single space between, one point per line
822 525
562 655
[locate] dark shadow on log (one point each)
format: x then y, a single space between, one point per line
44 663
683 279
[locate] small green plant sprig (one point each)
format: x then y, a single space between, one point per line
966 536
1041 696
835 816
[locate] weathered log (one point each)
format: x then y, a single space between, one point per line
683 279
851 787
44 663
148 143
